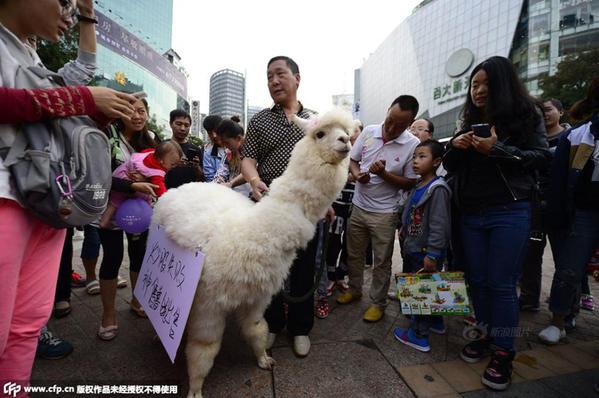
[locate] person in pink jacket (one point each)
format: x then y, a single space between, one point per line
151 166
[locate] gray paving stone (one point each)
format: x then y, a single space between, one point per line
579 385
353 369
349 357
520 390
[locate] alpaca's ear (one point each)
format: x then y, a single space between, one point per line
305 124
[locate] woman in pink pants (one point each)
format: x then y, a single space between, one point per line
30 250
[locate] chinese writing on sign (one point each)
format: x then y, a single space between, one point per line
168 280
112 35
449 91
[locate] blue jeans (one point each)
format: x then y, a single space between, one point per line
572 250
495 241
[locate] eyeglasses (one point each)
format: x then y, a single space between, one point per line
68 10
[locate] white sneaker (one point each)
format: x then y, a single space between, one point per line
270 340
301 345
552 335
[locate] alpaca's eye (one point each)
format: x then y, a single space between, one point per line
320 134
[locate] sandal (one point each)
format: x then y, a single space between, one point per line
108 333
61 309
330 288
139 311
121 282
93 287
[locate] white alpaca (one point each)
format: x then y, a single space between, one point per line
250 247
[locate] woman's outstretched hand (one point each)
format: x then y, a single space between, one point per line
112 103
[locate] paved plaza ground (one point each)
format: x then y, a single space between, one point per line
349 358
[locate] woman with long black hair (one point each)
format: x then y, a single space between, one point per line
502 142
127 136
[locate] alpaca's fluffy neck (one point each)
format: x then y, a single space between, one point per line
306 189
309 183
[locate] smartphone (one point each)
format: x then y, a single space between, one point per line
481 130
140 94
192 153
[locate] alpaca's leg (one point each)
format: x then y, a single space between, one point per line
255 330
203 343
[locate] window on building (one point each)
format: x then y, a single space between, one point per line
540 25
539 52
577 43
538 5
575 13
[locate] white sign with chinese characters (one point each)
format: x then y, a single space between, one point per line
166 286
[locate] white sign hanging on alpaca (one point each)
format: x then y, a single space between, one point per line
166 286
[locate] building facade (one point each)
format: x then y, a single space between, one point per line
134 53
344 101
227 94
252 110
431 53
547 31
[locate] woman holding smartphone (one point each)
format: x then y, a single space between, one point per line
502 142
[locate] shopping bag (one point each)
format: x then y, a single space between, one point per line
442 293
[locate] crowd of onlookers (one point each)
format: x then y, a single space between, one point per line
485 203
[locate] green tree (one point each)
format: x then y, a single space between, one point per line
570 81
197 141
153 125
55 55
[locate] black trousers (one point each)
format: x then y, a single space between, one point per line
456 258
532 270
337 243
63 284
300 316
113 248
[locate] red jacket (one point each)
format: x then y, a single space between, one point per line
153 163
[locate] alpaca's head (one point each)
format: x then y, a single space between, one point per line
329 134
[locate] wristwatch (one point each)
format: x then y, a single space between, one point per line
432 257
83 18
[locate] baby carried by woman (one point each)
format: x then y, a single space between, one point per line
151 166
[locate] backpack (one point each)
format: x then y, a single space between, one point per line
60 169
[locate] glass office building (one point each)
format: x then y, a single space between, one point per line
227 94
432 52
133 37
150 20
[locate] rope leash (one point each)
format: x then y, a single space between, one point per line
323 260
